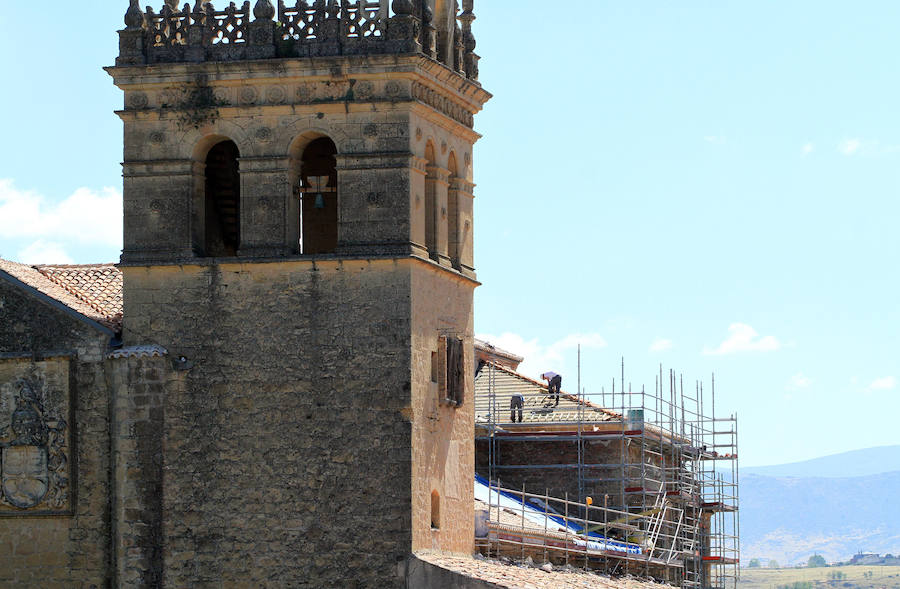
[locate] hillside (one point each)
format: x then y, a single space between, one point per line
859 577
790 518
857 463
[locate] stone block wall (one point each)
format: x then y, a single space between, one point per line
287 454
443 449
67 547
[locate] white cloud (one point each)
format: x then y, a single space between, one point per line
808 148
86 217
715 139
661 345
798 381
559 356
850 146
44 252
886 383
743 338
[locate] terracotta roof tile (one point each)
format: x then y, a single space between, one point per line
93 290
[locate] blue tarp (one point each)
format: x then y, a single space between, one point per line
535 513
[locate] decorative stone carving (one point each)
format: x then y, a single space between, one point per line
438 102
138 100
393 89
364 90
276 95
249 95
34 438
308 28
264 10
402 7
134 16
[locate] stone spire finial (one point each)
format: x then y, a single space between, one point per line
134 16
264 10
173 4
403 7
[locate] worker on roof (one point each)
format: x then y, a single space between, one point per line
516 402
554 382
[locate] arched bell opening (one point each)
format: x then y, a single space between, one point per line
318 192
222 201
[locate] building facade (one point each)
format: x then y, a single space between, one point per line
289 399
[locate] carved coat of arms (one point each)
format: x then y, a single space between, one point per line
32 451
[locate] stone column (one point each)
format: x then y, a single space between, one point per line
436 187
463 259
158 210
374 203
138 379
267 210
417 202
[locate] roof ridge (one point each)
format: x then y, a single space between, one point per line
97 265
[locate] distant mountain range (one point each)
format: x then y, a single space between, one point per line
791 511
857 463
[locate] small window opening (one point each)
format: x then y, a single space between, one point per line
434 367
451 371
435 510
318 198
223 198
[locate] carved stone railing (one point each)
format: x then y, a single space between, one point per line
314 28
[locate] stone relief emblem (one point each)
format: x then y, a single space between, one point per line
33 435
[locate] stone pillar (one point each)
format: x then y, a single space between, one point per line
138 379
261 32
436 187
131 40
268 216
374 203
417 206
158 209
463 259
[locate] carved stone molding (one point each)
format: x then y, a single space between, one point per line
443 105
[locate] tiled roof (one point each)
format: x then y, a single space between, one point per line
515 576
489 352
539 408
93 290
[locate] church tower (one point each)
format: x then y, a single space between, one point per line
298 237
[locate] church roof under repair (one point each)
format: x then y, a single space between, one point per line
538 407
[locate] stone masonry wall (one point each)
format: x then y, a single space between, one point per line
443 449
139 385
70 550
287 454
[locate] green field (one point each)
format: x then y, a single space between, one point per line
868 577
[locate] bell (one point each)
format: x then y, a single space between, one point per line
320 201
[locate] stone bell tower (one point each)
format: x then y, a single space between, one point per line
298 237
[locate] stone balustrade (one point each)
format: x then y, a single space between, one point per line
318 28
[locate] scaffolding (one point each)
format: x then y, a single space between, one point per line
654 470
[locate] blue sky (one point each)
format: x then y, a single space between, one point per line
711 186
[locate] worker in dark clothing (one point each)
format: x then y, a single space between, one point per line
517 401
554 382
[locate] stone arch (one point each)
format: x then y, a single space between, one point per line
217 196
313 173
195 140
